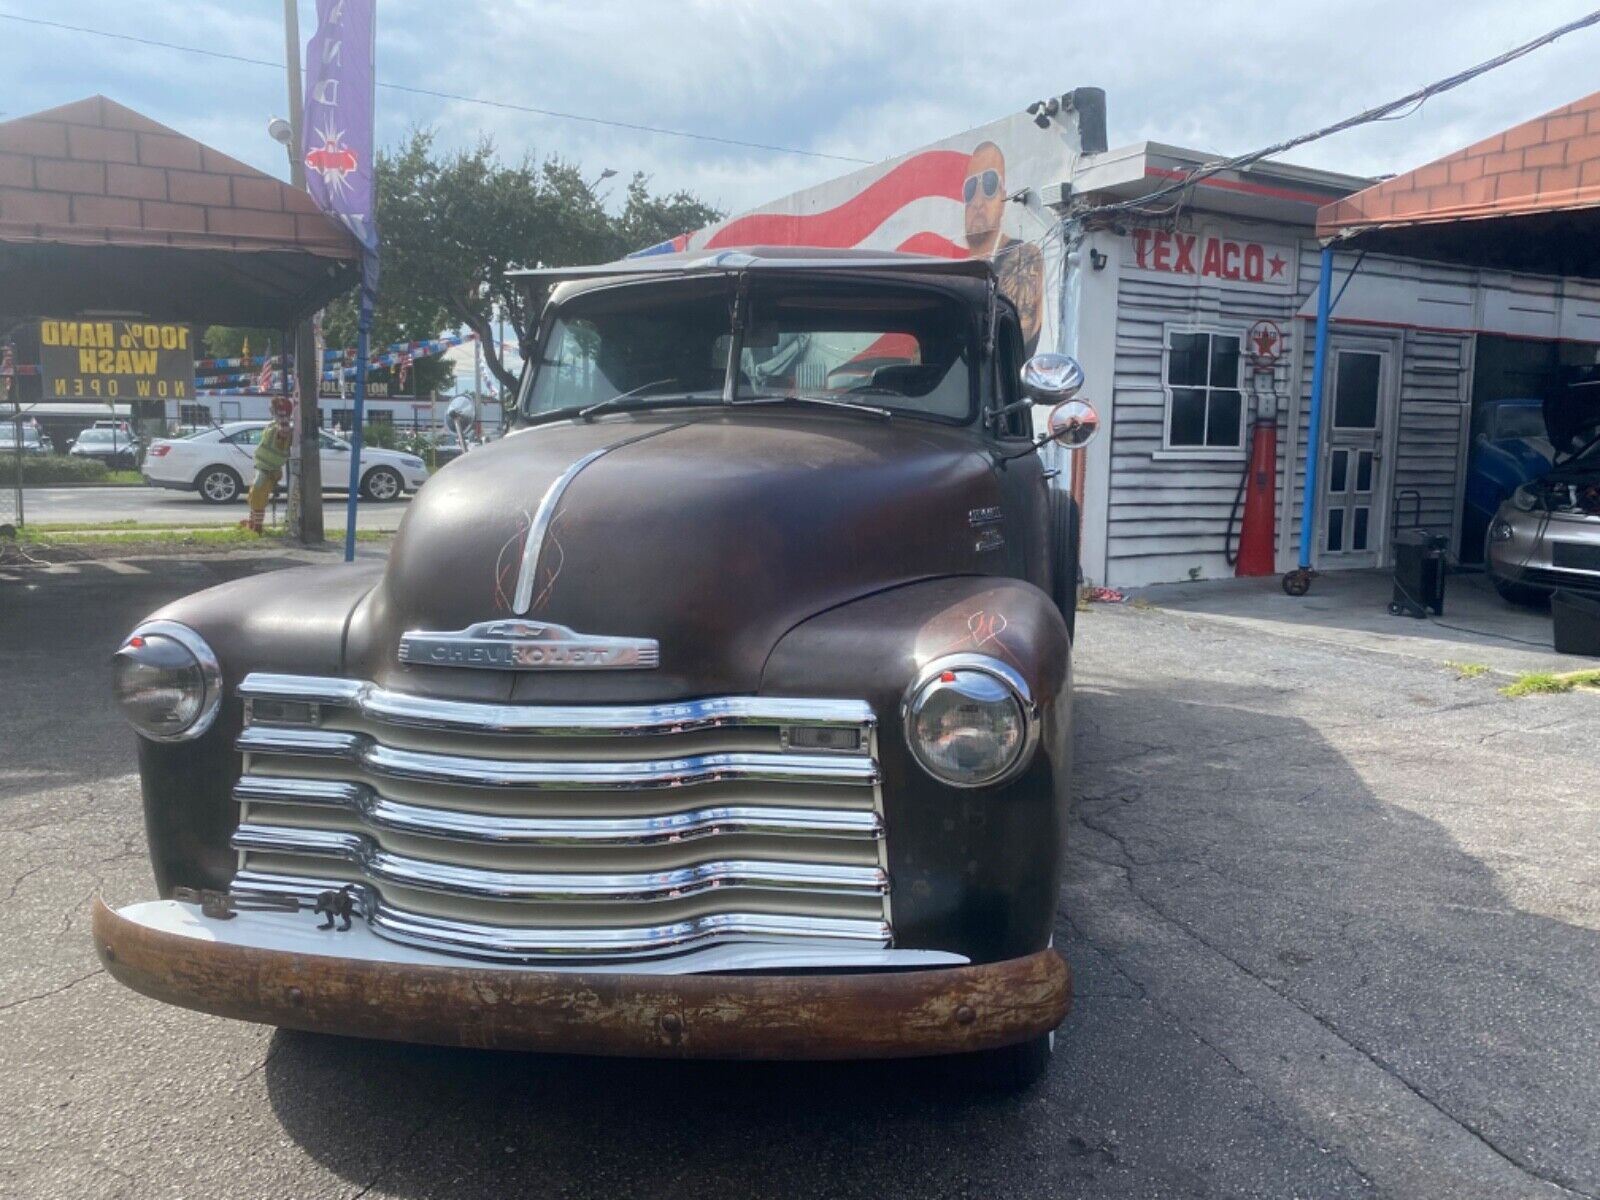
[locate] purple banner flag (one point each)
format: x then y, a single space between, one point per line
337 138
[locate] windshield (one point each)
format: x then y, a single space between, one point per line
643 341
1519 421
901 348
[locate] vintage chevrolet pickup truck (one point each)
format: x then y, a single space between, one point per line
721 709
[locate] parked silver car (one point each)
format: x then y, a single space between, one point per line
1546 536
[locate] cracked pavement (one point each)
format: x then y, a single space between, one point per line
1334 918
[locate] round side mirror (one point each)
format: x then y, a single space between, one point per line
1051 378
1073 423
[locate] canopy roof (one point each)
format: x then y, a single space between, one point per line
103 210
1527 199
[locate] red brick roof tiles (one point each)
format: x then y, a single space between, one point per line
1543 165
94 171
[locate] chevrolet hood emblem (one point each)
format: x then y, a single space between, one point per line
522 645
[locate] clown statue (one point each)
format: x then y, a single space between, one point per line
271 454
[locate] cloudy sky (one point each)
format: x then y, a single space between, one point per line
847 78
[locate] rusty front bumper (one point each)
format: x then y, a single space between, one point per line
873 1014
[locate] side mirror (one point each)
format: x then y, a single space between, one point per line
1051 378
1072 423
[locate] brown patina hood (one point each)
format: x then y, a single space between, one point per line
712 533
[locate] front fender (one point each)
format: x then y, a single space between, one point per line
973 871
288 621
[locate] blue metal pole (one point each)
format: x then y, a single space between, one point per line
1319 367
355 441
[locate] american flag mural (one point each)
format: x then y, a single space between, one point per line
949 199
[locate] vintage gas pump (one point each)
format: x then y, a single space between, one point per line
1259 486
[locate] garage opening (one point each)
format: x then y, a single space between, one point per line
1512 378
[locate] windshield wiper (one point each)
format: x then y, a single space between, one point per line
612 402
871 410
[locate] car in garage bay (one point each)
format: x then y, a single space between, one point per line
1546 536
218 464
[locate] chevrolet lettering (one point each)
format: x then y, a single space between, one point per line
528 646
721 709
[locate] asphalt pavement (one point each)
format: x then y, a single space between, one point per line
1334 916
161 506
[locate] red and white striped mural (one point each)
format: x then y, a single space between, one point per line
948 199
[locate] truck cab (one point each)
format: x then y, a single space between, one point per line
722 709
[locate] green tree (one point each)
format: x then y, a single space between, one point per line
453 226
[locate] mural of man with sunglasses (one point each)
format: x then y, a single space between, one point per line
1020 266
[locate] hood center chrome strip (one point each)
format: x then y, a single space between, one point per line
544 517
537 531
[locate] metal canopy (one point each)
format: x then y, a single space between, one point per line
103 210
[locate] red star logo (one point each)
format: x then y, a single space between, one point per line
1277 263
1266 342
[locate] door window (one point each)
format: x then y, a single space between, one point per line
1355 398
245 437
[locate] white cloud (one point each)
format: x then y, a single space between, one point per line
837 76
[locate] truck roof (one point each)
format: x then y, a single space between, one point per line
736 260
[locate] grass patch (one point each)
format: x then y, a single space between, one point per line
130 534
125 478
1544 683
1468 670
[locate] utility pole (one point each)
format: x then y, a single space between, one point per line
308 462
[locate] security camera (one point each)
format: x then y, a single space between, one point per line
279 130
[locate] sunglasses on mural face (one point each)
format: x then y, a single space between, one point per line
991 184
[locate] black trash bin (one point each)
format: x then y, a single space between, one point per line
1576 622
1418 573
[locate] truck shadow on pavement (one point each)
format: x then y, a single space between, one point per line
1243 835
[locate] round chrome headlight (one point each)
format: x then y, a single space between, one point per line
167 681
970 721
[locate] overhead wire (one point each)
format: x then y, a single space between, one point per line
456 97
1403 106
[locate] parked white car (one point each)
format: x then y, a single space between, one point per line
218 463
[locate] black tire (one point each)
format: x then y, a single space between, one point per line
1514 593
1012 1068
1519 593
382 484
218 484
1064 533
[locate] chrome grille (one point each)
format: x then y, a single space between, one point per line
566 832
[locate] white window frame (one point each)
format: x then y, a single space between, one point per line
1225 453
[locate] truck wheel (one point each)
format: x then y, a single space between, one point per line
382 485
1007 1068
1064 530
219 485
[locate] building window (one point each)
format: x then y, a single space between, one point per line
1205 403
194 414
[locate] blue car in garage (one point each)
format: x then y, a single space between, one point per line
1510 447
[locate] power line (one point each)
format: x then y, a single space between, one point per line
417 91
1382 112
